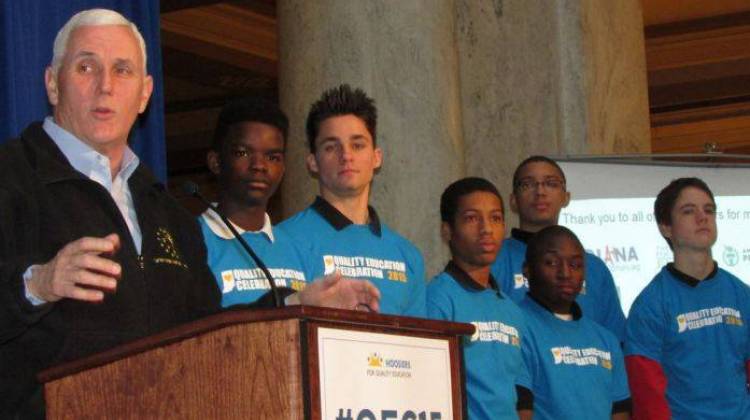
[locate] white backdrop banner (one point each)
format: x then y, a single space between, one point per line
612 212
623 233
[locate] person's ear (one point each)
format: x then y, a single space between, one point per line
378 158
513 203
566 201
665 230
50 84
312 164
445 232
146 90
212 160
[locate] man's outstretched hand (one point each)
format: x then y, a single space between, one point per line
81 270
337 291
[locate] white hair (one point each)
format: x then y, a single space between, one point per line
91 17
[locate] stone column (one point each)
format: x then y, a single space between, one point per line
554 78
402 53
616 69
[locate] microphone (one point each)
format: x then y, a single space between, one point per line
191 188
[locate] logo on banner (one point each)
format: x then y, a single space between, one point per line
730 256
618 258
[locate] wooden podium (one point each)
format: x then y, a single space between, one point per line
255 364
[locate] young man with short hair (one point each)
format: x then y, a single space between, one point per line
539 194
247 157
687 344
339 230
473 226
576 368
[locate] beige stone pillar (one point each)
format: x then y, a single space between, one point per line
402 53
550 77
609 56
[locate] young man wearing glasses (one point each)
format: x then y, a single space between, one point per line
538 196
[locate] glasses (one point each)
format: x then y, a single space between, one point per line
525 185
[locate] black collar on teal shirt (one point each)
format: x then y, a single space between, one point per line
521 235
338 220
464 279
688 279
575 309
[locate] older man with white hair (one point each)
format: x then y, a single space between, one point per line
93 251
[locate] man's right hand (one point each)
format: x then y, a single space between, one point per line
337 291
81 270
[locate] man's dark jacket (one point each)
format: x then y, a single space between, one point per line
44 205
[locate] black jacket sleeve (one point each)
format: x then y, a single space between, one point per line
17 253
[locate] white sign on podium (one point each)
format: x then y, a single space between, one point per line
373 376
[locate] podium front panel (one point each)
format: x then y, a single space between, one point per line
357 374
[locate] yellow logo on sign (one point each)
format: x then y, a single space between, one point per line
374 360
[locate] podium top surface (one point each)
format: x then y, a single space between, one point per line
235 317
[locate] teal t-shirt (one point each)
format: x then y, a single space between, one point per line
238 278
598 299
698 332
576 367
493 364
330 242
